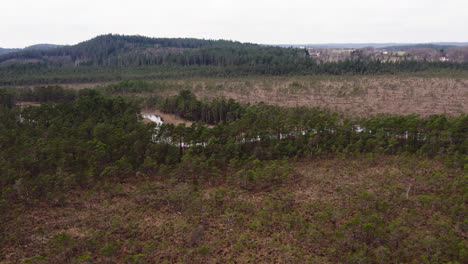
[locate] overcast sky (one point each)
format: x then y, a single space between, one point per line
27 22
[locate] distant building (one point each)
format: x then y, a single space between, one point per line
314 52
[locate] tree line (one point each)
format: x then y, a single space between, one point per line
91 138
273 132
42 73
186 105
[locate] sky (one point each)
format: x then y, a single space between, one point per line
28 22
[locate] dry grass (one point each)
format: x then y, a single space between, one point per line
350 94
147 217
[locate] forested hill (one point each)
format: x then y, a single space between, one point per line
32 47
120 50
6 51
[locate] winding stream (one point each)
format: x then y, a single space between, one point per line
153 118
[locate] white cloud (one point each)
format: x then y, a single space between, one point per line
26 22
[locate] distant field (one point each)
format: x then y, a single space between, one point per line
354 95
420 94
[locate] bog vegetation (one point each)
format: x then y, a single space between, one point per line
239 190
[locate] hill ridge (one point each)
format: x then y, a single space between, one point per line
125 50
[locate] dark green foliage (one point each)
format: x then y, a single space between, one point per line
46 94
56 146
42 73
187 106
271 132
133 87
7 98
261 176
118 50
39 94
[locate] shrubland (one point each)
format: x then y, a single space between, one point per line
349 95
83 180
